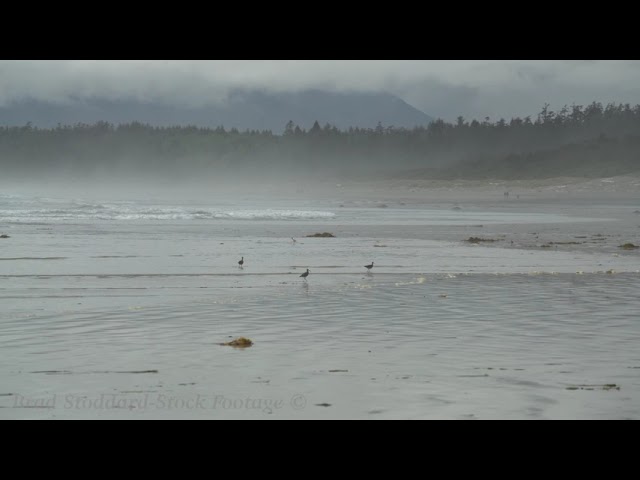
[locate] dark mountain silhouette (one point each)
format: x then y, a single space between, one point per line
243 110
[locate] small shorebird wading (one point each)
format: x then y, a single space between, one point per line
369 267
305 274
241 262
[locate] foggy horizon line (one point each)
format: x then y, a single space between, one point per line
485 120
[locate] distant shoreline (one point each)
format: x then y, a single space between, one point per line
623 184
390 190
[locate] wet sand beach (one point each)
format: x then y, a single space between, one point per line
116 308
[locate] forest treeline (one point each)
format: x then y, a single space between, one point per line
592 140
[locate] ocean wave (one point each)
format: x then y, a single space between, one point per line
86 211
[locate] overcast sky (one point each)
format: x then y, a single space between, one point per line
441 88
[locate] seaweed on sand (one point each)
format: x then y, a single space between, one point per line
322 235
478 240
240 342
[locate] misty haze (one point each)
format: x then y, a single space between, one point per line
319 239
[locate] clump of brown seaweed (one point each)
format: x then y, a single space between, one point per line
478 240
322 235
240 342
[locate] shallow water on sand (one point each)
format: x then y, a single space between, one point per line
122 317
